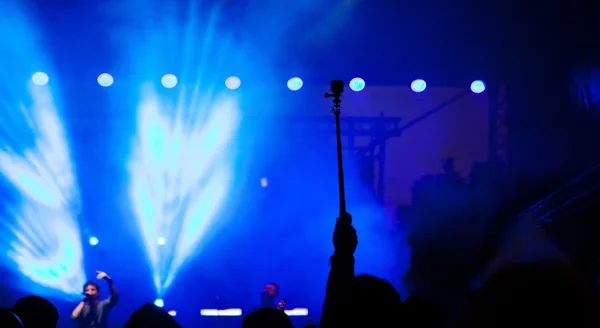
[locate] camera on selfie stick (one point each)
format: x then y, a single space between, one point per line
337 88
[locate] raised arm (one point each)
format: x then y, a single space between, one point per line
114 295
341 274
77 311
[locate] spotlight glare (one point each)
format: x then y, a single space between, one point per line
221 313
418 85
159 302
478 86
233 82
41 233
105 80
357 84
264 182
297 312
295 84
169 81
161 241
173 313
192 180
40 78
94 241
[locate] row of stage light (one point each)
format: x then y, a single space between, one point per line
235 312
170 81
95 241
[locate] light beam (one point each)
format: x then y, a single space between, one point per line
40 233
45 243
180 172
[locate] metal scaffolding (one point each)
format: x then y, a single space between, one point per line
568 197
378 130
499 126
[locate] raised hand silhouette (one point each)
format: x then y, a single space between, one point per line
345 239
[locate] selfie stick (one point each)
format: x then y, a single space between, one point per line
337 88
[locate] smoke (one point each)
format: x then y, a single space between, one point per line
525 242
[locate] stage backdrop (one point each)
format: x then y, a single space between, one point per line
460 130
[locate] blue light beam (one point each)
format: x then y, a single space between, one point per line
38 225
182 162
41 230
180 173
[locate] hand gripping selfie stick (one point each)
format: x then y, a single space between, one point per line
337 88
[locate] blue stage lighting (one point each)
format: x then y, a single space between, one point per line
40 78
160 241
478 86
418 85
295 84
357 84
169 81
233 82
159 303
105 80
93 241
40 228
180 173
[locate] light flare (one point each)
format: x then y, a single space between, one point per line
45 244
180 172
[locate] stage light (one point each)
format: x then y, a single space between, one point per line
478 86
233 82
40 78
93 241
105 80
221 313
39 225
172 313
159 303
161 241
418 85
295 84
357 84
264 182
297 312
169 81
180 172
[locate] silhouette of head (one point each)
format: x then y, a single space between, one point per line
374 301
150 315
92 289
269 293
35 311
8 319
544 293
421 312
267 318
